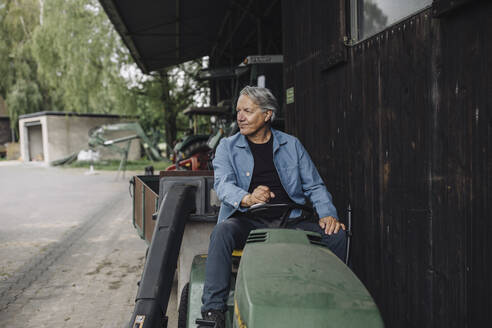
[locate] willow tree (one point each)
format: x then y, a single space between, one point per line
19 83
80 58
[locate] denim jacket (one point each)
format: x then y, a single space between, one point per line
233 170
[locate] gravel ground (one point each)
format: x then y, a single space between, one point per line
69 255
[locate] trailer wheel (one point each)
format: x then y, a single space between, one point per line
183 306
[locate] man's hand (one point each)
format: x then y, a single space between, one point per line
261 194
330 225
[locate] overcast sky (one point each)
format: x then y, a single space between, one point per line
395 10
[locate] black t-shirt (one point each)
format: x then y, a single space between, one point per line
265 173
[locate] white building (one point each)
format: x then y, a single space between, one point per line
49 136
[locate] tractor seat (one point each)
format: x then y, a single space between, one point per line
236 258
237 253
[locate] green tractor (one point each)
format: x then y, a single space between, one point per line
282 277
193 151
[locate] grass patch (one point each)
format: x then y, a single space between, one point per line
113 165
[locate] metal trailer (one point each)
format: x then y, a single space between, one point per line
151 202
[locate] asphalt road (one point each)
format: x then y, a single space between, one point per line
69 255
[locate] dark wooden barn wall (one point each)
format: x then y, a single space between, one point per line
403 130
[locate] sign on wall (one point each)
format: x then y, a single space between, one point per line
289 95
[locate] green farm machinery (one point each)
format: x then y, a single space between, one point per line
282 277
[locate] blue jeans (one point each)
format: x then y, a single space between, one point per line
232 234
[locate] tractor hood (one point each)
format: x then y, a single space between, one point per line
288 279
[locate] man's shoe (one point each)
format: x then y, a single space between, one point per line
216 316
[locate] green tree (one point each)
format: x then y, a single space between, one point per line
80 56
166 95
19 83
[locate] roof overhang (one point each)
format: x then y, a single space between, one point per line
165 33
160 34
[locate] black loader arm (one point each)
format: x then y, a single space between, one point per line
160 266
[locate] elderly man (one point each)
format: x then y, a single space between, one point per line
257 165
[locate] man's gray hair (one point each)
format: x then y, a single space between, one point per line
263 97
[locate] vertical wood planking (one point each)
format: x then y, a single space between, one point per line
404 132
